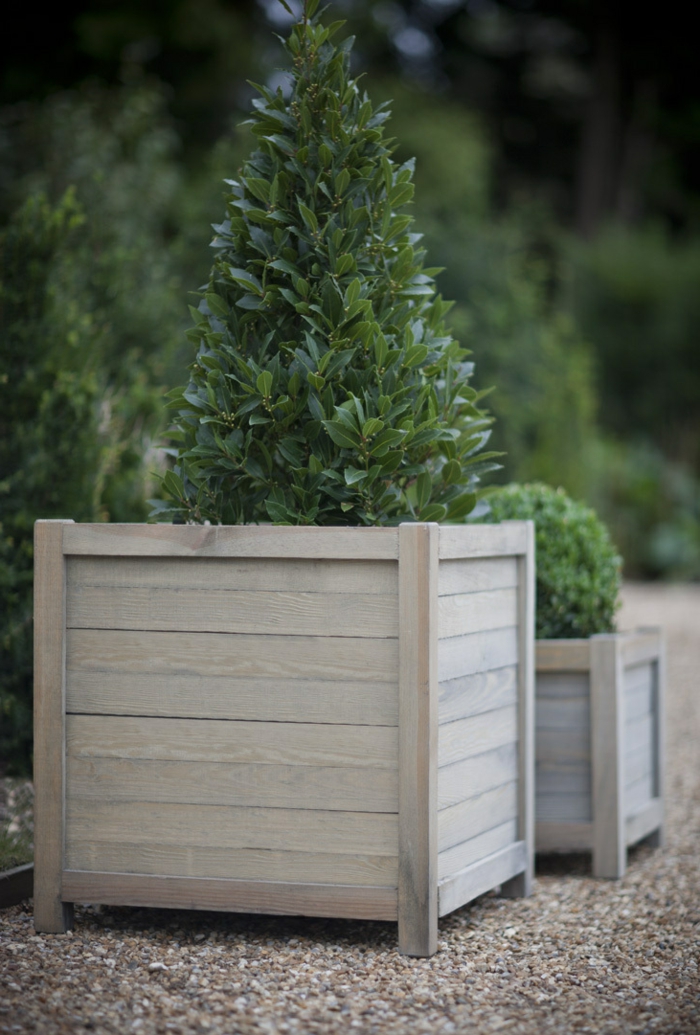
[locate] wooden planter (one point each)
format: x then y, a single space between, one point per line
599 745
316 721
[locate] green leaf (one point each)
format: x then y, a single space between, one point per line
341 435
263 383
371 427
309 217
246 279
452 471
424 487
435 512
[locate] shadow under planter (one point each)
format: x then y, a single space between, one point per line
599 745
314 721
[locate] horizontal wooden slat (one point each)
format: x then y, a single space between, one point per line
481 877
470 818
563 837
562 684
481 692
223 697
223 783
478 575
645 820
238 863
218 654
636 677
464 655
458 857
563 808
221 826
510 537
140 540
479 733
637 765
554 746
638 794
639 735
230 896
262 743
565 778
642 645
639 697
562 655
473 776
564 713
464 613
252 574
230 611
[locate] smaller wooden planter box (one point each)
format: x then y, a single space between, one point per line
599 745
316 721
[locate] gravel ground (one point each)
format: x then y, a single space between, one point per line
580 955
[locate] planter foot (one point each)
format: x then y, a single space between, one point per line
519 886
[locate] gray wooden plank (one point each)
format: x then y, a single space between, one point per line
562 656
639 735
607 725
562 684
562 746
563 808
479 652
638 794
481 692
469 818
564 713
472 776
508 537
451 860
482 876
464 738
477 575
464 613
572 778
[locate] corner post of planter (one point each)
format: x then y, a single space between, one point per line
418 730
521 885
51 914
607 756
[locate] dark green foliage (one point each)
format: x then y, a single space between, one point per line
326 389
578 569
49 450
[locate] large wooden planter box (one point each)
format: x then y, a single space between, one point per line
599 745
319 721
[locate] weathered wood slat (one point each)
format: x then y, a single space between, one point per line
477 734
643 645
223 783
221 826
563 778
464 613
481 876
481 692
638 764
475 576
637 676
218 654
479 652
639 735
461 541
140 540
263 743
564 713
645 820
238 863
639 699
472 817
230 895
562 746
559 685
225 697
256 574
473 776
564 808
638 794
457 858
562 656
228 611
563 837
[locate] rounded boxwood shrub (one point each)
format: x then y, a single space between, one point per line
578 568
326 388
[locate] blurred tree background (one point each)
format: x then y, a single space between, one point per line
558 183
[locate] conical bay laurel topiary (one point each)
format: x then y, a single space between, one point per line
326 389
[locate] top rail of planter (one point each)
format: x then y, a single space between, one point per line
140 540
636 647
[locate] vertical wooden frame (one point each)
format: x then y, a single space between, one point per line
418 731
51 915
607 756
521 885
658 837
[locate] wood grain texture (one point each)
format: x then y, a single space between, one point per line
477 575
564 807
477 734
648 819
562 656
564 713
607 753
638 794
469 818
217 654
222 826
262 743
354 703
223 783
245 574
464 613
563 778
553 684
477 774
233 863
240 896
637 765
478 652
462 541
639 735
563 837
139 540
233 611
476 848
481 692
481 876
50 914
418 752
